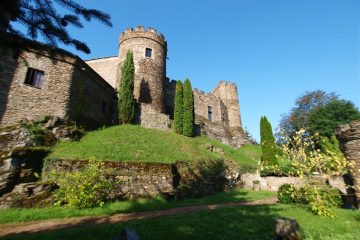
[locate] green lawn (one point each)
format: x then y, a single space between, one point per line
246 222
33 214
134 143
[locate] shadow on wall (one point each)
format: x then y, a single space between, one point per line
8 65
145 96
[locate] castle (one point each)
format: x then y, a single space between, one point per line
39 81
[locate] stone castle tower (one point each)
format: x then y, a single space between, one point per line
149 50
217 114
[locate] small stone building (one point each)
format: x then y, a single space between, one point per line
38 81
42 81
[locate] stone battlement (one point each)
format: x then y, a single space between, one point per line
142 32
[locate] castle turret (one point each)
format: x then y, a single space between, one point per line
228 93
149 48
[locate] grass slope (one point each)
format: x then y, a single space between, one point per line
134 143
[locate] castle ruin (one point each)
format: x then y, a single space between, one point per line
37 83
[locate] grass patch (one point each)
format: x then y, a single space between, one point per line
34 214
245 222
134 143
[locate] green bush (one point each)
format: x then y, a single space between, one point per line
267 141
84 188
321 199
286 194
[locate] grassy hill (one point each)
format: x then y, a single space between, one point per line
134 143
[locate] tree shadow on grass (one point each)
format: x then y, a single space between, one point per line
243 222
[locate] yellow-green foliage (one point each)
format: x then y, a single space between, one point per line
310 161
84 188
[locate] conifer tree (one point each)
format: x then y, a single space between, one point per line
179 108
126 90
188 121
267 141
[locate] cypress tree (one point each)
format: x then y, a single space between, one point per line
126 104
267 141
178 108
188 121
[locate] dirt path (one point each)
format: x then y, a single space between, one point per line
49 225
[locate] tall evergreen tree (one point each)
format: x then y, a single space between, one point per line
188 121
179 108
126 90
267 141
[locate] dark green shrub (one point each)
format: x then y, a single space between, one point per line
188 117
286 194
179 108
126 90
267 141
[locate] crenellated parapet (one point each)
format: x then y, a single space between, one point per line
142 32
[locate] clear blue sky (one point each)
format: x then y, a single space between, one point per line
274 50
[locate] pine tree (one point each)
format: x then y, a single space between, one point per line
267 143
179 108
188 121
42 18
126 90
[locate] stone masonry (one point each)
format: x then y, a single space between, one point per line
69 89
349 137
86 92
217 113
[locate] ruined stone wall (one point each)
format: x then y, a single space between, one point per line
228 94
204 100
19 100
107 68
150 72
349 137
148 117
93 102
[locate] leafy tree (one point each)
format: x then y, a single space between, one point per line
188 121
179 108
325 118
126 90
268 157
41 17
298 118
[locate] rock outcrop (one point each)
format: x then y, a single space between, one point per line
349 137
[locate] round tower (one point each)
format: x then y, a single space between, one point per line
149 48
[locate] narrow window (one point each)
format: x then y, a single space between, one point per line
34 77
104 107
148 52
209 113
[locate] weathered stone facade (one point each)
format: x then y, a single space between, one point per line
217 113
69 89
349 137
86 92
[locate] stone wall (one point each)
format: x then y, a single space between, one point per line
70 88
349 137
93 102
150 72
149 118
180 179
19 100
107 68
228 94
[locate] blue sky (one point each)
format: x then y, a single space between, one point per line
274 50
